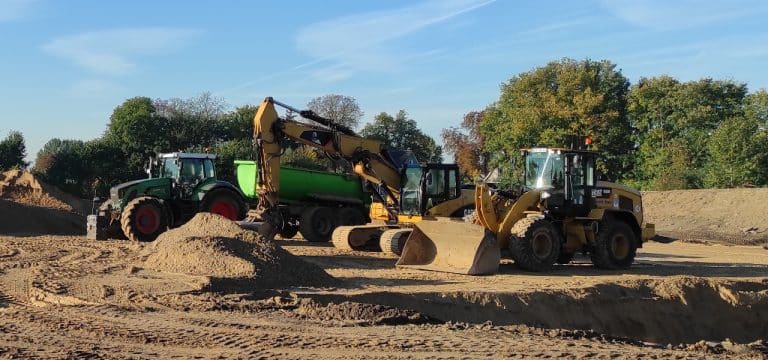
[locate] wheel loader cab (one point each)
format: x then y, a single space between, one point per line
427 186
564 177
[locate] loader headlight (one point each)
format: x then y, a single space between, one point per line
545 195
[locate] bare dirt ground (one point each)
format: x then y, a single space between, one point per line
68 296
211 290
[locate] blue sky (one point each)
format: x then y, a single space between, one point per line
65 65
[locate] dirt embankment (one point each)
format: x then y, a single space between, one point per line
30 207
738 216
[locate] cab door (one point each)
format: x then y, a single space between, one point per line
580 182
440 183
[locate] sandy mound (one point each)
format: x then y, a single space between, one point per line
24 220
732 215
31 207
22 187
233 258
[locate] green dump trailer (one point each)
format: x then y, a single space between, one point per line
312 202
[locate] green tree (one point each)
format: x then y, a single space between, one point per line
61 163
466 142
13 151
196 121
238 124
736 151
137 128
341 109
226 154
667 112
400 132
549 104
756 107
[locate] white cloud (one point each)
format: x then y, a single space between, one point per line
113 52
15 9
345 45
680 14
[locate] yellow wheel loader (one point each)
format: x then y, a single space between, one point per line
562 209
406 190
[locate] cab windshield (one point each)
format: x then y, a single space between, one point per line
411 190
544 170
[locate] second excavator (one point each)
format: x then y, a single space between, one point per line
407 190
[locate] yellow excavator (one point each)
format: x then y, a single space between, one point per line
407 191
562 209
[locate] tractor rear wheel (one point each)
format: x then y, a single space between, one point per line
224 202
615 246
535 244
317 224
143 219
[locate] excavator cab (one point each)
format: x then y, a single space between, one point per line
426 186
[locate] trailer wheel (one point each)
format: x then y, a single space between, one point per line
143 219
317 224
225 203
350 216
290 229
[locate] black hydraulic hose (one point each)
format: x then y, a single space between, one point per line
309 114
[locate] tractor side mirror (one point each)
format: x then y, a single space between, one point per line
429 178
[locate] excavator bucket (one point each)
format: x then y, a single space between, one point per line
451 246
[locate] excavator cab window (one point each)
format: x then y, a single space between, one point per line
410 194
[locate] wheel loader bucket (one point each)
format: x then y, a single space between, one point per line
451 246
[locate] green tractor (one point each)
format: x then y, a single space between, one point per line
179 186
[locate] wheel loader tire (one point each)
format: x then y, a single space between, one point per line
615 246
224 202
350 216
535 244
317 224
144 219
565 257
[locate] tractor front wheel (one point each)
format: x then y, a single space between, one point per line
144 219
224 202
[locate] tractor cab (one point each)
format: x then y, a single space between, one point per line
426 186
565 178
186 170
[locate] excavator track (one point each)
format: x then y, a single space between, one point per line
392 241
357 237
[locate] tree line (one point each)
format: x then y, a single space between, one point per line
657 134
141 127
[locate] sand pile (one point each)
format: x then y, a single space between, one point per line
29 207
22 187
233 258
737 216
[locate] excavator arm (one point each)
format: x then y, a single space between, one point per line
369 158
